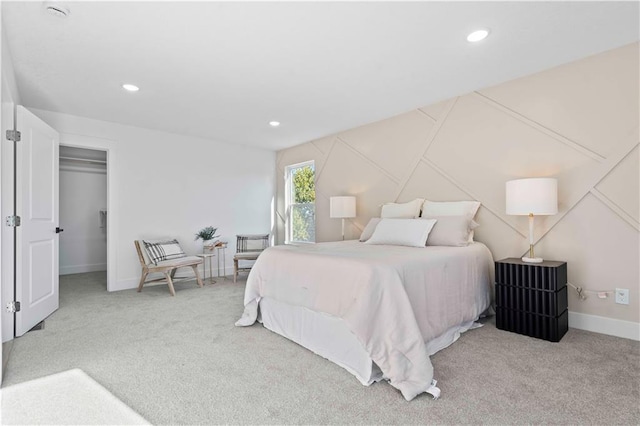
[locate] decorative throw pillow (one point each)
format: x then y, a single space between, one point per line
163 250
408 210
450 231
402 232
367 232
452 208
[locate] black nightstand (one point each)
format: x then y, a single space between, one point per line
531 298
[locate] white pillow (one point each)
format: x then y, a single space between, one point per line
452 208
367 232
410 210
402 232
450 231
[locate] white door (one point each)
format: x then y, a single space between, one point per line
37 206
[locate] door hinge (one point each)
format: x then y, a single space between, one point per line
13 135
13 221
13 307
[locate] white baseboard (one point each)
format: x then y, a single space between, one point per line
126 284
79 269
610 326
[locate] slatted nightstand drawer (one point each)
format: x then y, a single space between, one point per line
539 326
539 302
548 275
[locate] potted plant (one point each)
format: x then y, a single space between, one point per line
207 235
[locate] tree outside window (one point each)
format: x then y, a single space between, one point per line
302 199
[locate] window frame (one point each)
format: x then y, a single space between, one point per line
288 201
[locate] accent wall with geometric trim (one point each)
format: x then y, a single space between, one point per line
578 122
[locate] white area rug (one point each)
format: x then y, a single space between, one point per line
67 398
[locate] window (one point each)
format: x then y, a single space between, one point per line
300 191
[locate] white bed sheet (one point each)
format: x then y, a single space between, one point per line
392 299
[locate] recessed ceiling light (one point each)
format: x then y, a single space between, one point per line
130 87
477 35
57 9
274 123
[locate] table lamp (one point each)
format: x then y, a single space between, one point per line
529 197
342 208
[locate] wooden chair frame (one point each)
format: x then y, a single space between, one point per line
245 253
169 270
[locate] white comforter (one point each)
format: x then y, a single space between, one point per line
392 298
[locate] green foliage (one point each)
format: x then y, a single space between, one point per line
304 222
304 186
206 234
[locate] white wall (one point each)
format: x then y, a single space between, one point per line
173 185
83 193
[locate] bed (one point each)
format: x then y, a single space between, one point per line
378 311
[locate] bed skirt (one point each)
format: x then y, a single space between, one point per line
329 337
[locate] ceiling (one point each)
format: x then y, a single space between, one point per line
223 70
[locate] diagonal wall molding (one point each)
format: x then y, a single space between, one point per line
326 159
450 105
428 142
615 208
613 161
435 120
606 168
372 163
471 195
586 151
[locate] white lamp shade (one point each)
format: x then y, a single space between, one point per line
342 207
538 196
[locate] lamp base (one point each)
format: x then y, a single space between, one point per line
532 259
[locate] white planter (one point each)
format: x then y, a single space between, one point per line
207 246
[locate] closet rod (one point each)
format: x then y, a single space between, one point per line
84 160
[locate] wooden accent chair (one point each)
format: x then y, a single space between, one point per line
166 267
248 247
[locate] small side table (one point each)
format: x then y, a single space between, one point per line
222 247
204 257
531 298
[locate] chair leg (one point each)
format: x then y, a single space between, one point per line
142 278
173 273
195 271
170 283
235 270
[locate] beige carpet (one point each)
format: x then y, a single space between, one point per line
69 398
180 360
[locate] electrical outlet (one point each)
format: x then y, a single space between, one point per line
622 296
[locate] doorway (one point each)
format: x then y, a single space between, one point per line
30 248
83 215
